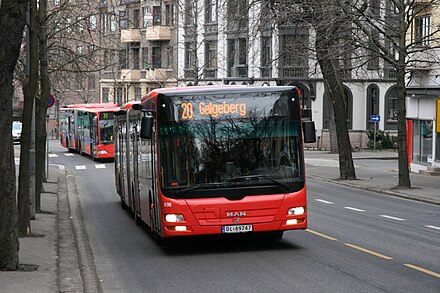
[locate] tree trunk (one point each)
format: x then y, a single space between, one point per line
12 21
330 70
42 102
404 179
29 90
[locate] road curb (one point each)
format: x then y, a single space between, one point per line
69 275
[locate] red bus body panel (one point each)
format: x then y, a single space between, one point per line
208 215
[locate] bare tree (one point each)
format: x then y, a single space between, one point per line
390 31
12 21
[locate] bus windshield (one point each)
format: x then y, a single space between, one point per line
235 144
106 127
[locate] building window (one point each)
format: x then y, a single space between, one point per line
123 59
137 93
190 55
170 58
136 18
210 11
372 53
112 23
391 106
91 83
122 20
210 59
145 58
422 141
294 52
266 56
135 56
118 95
328 109
372 104
145 12
168 14
105 95
423 30
92 22
237 57
156 15
156 57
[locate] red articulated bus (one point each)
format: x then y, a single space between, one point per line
88 129
214 160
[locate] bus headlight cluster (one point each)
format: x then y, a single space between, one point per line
102 152
173 218
296 211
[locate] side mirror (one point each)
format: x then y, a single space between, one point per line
147 127
309 131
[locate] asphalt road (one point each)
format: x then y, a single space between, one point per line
357 241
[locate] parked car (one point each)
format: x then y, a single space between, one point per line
16 131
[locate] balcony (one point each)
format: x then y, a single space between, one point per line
158 33
130 75
422 61
293 72
131 35
157 74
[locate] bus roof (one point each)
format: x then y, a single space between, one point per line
151 96
129 105
91 105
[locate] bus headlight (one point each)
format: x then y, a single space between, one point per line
296 211
173 218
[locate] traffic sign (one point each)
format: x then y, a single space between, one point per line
375 118
52 101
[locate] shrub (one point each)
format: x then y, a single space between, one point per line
383 140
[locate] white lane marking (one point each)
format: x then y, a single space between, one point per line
82 167
392 218
101 166
53 156
432 227
69 155
354 209
323 201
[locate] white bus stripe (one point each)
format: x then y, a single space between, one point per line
82 167
432 227
101 166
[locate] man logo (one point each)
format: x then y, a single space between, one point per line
235 214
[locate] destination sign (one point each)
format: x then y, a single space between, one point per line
212 109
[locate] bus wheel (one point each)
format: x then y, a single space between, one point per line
123 204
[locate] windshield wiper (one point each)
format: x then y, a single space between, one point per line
254 177
200 186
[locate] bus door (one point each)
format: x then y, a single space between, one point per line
94 136
147 182
134 152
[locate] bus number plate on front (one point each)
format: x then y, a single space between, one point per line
237 229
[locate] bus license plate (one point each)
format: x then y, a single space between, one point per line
237 229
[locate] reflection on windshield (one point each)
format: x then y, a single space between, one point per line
106 130
230 151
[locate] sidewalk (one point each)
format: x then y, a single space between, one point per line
375 171
52 249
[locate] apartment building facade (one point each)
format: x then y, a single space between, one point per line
423 89
201 42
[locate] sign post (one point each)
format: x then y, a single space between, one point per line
375 119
